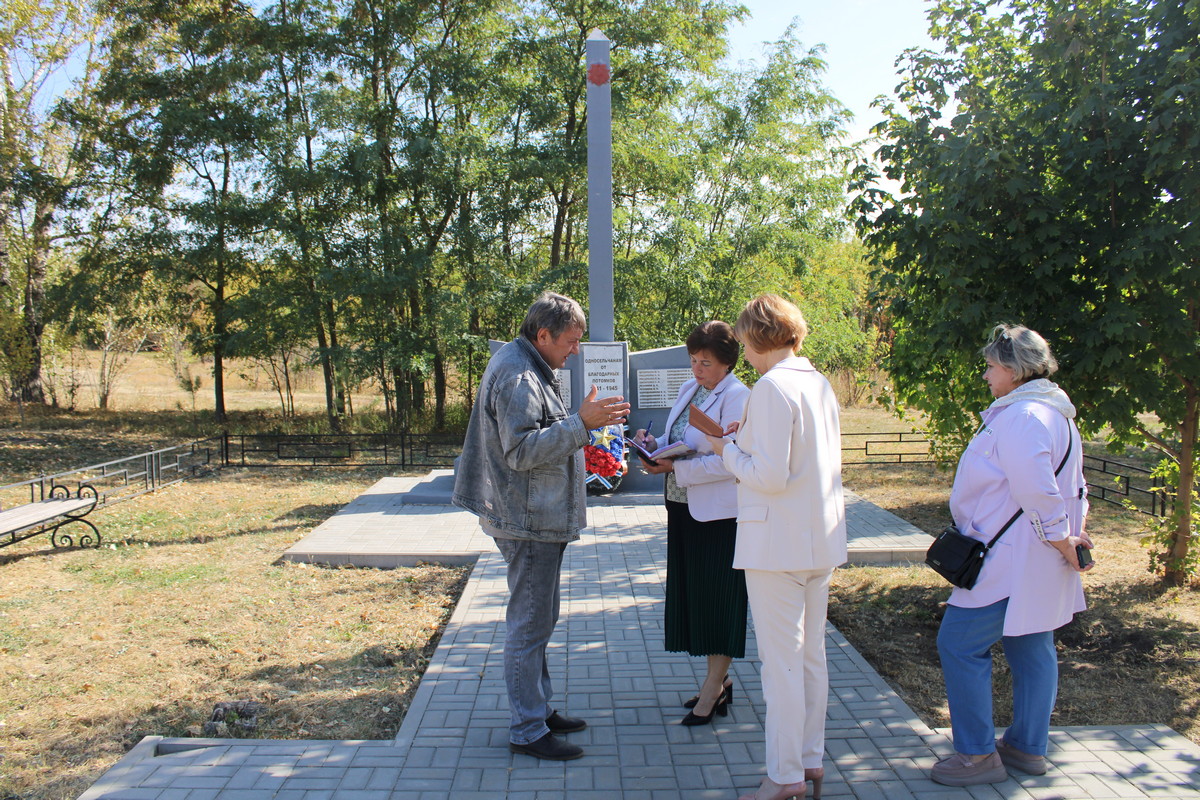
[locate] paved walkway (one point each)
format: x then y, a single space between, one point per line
608 665
400 522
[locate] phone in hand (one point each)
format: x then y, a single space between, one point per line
1084 553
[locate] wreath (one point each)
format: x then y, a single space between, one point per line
604 458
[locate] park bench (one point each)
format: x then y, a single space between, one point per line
49 511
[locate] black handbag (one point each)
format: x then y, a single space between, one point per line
959 558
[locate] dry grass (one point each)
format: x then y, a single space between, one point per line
1130 658
189 605
192 607
147 382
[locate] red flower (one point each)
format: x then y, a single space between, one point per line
600 462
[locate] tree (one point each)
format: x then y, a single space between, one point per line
112 303
1062 194
729 194
304 198
41 44
180 72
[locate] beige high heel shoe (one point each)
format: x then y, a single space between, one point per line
776 791
817 776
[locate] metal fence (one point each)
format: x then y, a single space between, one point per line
402 450
1111 481
886 447
1108 480
124 478
1125 485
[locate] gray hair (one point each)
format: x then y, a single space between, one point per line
1023 351
554 312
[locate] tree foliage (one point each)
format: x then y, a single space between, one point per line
1062 193
41 157
377 188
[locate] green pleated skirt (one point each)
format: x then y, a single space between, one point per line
706 596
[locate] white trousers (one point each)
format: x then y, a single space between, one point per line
789 624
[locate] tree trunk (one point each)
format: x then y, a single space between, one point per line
403 400
220 334
30 384
1176 573
339 387
562 207
287 382
439 391
326 362
219 380
8 149
415 381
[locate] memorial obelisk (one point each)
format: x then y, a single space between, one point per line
648 379
599 189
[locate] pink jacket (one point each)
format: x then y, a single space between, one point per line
1009 465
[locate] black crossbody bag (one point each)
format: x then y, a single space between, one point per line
959 558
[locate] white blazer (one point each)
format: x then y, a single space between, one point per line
787 459
718 497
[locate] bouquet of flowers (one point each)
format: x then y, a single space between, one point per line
605 458
600 462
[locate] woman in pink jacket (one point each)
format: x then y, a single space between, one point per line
791 533
1030 584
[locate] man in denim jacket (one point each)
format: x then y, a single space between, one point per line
522 472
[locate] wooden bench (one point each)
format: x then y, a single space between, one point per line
50 515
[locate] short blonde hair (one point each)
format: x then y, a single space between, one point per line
1023 351
770 322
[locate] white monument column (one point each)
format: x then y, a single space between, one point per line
599 162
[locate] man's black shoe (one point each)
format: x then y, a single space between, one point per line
557 723
550 748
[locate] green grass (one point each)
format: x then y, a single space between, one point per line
134 576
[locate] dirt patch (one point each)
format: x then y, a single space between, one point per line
188 605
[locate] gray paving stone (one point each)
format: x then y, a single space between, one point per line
607 663
361 794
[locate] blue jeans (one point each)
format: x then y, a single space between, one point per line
532 613
965 642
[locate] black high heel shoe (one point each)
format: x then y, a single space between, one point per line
721 707
728 687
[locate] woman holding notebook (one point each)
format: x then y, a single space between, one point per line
706 597
791 533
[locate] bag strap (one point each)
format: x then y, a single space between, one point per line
1020 511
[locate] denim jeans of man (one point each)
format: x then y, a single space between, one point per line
965 640
532 613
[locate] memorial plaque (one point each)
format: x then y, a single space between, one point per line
603 367
564 382
658 388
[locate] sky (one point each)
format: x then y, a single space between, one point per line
862 39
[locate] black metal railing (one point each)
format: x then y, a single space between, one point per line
886 447
1125 485
403 450
1112 481
124 478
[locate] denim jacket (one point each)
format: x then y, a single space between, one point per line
522 467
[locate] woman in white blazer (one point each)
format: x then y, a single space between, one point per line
791 533
705 597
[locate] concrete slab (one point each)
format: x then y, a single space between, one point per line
401 522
